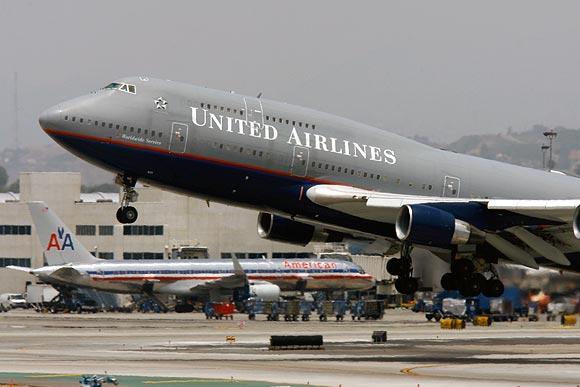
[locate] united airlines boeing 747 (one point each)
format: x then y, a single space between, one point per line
318 177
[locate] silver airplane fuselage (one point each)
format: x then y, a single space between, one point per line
265 155
185 277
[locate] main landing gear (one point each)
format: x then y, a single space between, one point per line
469 282
403 269
127 214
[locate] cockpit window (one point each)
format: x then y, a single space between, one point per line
122 87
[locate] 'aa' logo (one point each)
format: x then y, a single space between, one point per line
60 241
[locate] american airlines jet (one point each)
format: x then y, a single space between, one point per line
71 264
318 177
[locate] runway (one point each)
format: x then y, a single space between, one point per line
188 346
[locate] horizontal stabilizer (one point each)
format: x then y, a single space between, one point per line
20 268
66 274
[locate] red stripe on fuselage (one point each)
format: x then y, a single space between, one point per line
212 278
108 140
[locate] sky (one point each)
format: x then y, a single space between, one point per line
440 69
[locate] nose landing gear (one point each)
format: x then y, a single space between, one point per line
127 214
403 269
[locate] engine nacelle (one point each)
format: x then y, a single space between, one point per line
265 291
280 229
426 225
576 223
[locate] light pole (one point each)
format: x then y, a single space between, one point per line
544 149
550 135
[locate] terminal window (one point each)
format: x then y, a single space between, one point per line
142 255
86 229
14 229
23 262
290 255
142 230
106 230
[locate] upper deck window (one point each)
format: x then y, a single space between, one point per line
122 87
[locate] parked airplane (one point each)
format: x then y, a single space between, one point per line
71 264
315 176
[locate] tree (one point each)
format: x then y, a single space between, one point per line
3 177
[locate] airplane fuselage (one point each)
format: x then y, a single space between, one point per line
184 278
265 155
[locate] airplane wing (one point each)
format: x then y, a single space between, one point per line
234 281
521 230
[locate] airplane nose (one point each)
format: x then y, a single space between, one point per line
49 118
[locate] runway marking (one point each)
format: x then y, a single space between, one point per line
189 381
410 370
53 376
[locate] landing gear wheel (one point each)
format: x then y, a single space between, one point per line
407 285
127 215
493 288
394 266
470 286
462 267
449 281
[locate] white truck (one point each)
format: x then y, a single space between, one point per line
12 301
38 295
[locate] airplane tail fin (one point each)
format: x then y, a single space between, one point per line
59 244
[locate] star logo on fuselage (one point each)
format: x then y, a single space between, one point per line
160 103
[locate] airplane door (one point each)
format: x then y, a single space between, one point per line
451 187
178 139
254 111
300 158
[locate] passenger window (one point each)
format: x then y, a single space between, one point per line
153 133
202 104
103 124
66 118
372 175
123 88
339 169
287 122
365 174
352 171
74 119
300 124
326 166
146 131
261 153
313 164
110 126
81 120
332 168
254 153
280 120
96 123
241 149
159 134
294 123
132 89
306 126
228 110
267 118
241 112
139 130
313 126
378 177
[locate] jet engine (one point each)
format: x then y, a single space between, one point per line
430 226
576 223
280 229
265 291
